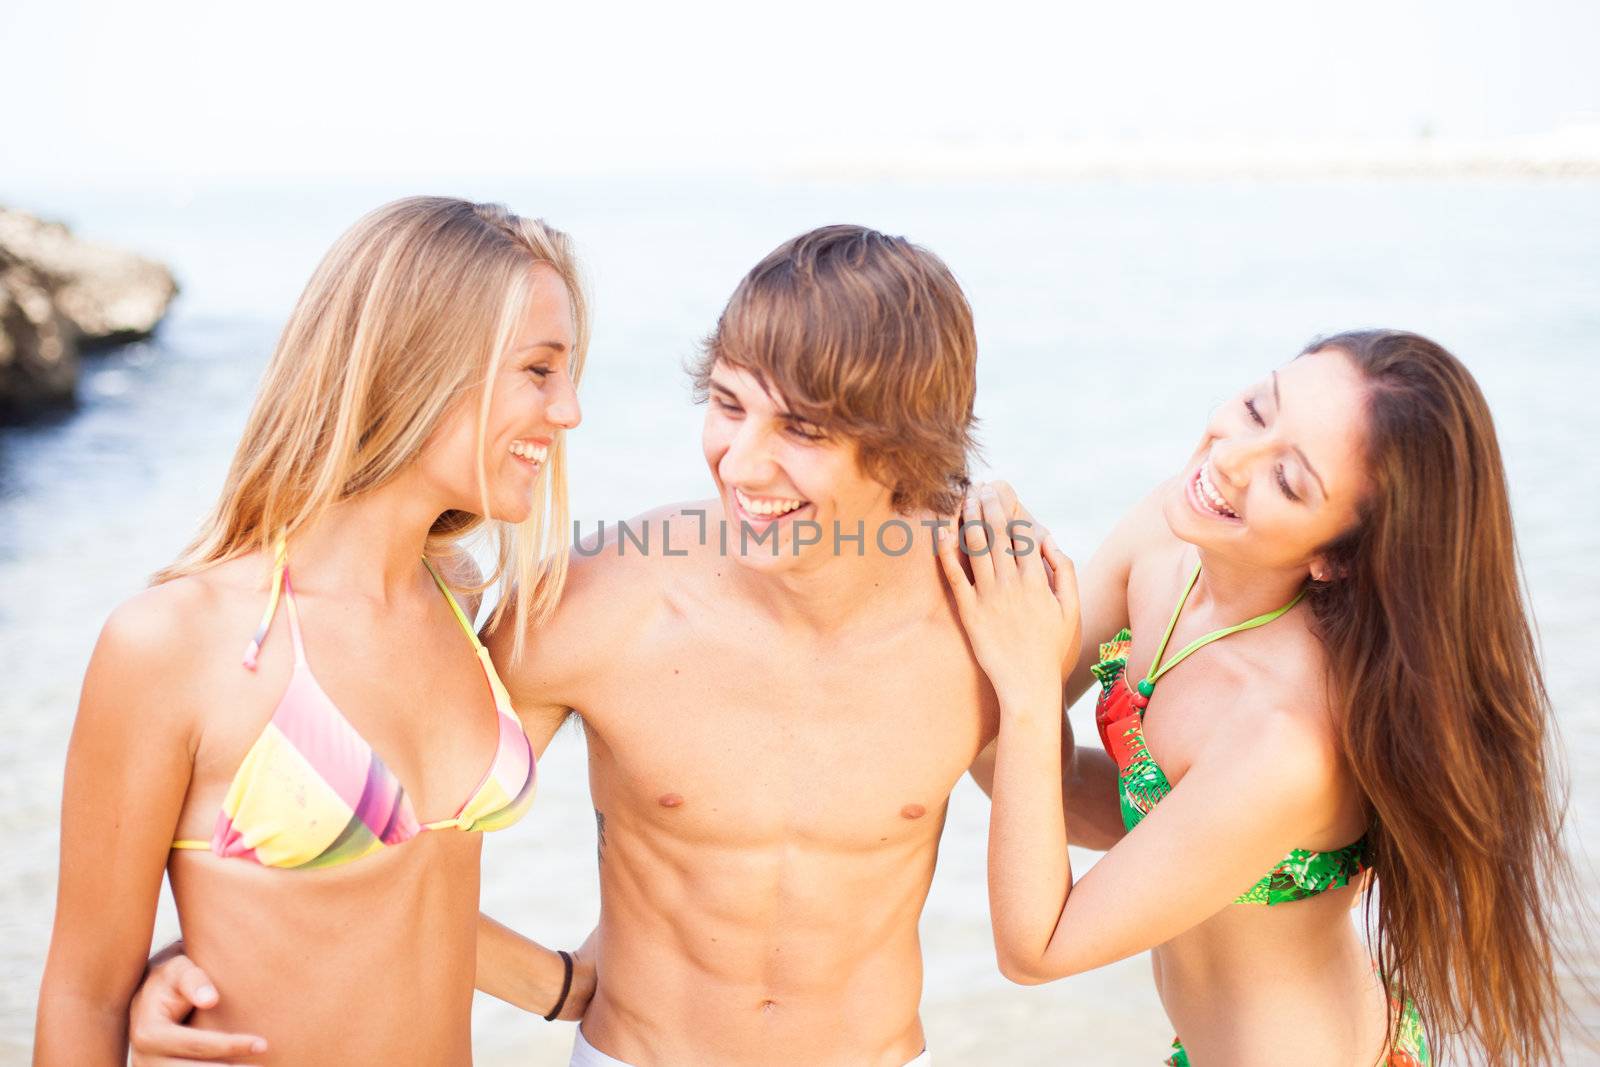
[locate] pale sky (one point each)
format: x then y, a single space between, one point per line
102 90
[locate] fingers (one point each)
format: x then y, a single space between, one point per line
169 1042
1026 533
156 1032
1008 500
1065 577
1027 540
193 1047
200 1047
950 565
191 982
170 992
978 541
1017 536
992 512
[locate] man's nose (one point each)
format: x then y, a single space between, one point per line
748 460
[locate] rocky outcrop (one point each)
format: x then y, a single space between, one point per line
38 353
59 294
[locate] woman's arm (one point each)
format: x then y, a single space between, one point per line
127 771
1022 631
1250 797
1088 790
1089 776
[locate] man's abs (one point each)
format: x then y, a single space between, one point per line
787 953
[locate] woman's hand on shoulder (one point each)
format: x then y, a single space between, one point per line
1020 605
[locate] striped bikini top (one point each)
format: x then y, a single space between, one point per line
311 792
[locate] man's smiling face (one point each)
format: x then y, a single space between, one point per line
774 469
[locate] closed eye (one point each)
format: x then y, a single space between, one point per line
805 431
1250 406
1283 483
723 405
539 371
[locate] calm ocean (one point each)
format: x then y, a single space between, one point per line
1111 318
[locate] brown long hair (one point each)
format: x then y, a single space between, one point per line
1444 714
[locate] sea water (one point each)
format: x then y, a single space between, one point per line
1111 319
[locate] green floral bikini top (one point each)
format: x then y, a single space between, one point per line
1119 714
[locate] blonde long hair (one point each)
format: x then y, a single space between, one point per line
414 306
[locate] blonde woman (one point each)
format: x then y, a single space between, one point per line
296 722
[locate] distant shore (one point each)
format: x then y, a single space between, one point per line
1569 152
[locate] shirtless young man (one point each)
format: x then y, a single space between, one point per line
775 726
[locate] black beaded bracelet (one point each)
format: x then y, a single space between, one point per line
566 985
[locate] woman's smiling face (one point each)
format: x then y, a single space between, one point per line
533 401
1281 470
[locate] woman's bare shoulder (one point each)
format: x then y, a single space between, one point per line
1286 700
183 621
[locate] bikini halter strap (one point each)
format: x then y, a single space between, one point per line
281 588
280 585
1157 669
461 616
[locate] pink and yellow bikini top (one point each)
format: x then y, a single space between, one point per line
311 792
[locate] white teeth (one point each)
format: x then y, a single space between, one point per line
530 452
770 507
1208 490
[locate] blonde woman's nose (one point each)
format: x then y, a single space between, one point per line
564 410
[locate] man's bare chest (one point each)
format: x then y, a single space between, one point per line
739 745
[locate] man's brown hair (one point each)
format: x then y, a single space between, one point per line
870 337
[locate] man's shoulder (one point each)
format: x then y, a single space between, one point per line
621 564
647 540
617 583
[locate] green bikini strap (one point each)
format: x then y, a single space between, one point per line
461 616
1157 669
